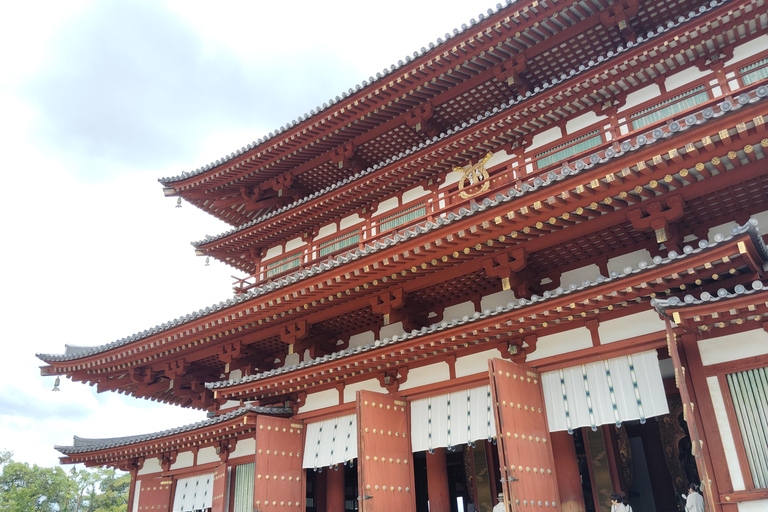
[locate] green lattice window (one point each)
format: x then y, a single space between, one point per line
754 72
572 147
749 391
669 107
340 242
400 218
244 478
287 263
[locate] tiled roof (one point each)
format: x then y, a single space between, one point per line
749 228
722 294
513 193
83 445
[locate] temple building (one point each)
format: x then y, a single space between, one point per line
525 260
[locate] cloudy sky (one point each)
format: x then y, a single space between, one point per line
100 99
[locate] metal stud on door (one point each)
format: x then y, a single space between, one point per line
385 461
525 453
279 483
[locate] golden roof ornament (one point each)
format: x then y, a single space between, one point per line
474 176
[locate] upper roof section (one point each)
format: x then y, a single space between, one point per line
515 50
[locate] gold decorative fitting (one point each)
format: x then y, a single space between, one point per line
475 175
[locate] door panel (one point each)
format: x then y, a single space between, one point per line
219 501
385 461
525 453
279 484
155 494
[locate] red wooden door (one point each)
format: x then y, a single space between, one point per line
384 458
219 501
155 494
279 476
525 452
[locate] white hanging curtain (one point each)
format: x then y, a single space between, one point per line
456 418
611 391
193 493
330 442
244 484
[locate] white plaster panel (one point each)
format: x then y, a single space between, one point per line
584 120
560 343
244 447
392 329
729 444
458 311
498 157
545 137
734 347
184 460
578 275
414 193
292 359
475 363
358 340
320 400
350 390
424 375
501 298
274 251
684 77
451 178
326 230
230 404
388 204
641 96
753 506
749 49
350 220
294 244
235 374
625 327
206 455
150 466
632 259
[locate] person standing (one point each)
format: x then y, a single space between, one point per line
499 507
694 502
619 503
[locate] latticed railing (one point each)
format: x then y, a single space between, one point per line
754 72
284 264
669 107
340 242
573 147
398 219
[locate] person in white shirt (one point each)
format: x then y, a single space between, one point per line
694 502
619 503
499 507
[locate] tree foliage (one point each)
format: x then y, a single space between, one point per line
25 488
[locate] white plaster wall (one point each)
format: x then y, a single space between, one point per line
560 343
350 220
390 330
754 506
414 193
749 49
729 445
578 275
545 137
498 157
274 251
684 77
458 311
150 466
584 120
475 363
136 494
320 400
230 404
244 447
206 455
358 340
184 460
292 359
632 259
388 204
425 375
625 327
501 298
725 229
294 244
451 178
350 391
326 230
235 374
641 96
734 346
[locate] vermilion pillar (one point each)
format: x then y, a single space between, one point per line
335 490
568 481
437 480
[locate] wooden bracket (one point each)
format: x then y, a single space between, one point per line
659 216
